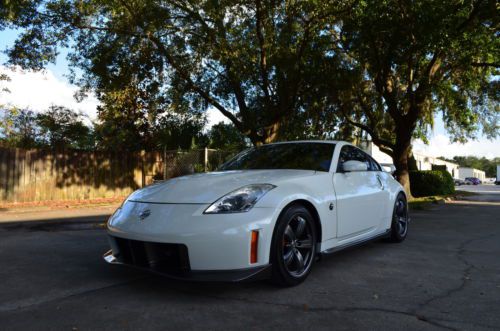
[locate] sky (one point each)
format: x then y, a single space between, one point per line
39 90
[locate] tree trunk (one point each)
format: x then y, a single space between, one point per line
401 156
400 160
269 135
254 137
271 132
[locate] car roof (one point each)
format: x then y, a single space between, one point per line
310 141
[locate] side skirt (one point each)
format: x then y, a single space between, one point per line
356 243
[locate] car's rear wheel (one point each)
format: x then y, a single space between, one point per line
400 219
293 248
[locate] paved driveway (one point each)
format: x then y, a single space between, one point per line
446 275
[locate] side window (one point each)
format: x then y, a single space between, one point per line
343 157
374 166
349 153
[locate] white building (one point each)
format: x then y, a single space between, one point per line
429 163
471 172
375 152
424 162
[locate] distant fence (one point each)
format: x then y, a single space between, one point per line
43 175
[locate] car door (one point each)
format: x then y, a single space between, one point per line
360 195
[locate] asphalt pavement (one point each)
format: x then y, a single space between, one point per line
446 275
489 193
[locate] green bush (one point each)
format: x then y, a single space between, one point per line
431 182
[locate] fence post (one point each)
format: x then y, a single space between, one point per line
164 162
206 159
143 167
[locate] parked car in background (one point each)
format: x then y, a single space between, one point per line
472 181
458 182
489 181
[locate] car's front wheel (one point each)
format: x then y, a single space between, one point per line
293 248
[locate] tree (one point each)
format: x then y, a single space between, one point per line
15 10
130 120
18 128
61 127
284 69
226 137
406 60
179 131
249 59
123 123
57 127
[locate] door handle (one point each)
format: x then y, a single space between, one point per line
380 182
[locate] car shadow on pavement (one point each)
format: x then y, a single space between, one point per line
324 266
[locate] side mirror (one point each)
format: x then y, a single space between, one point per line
388 168
351 166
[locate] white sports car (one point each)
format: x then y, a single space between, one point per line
267 213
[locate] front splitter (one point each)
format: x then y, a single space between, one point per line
235 275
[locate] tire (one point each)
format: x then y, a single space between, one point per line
400 220
293 248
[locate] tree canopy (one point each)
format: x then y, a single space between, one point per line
62 128
250 60
226 137
406 61
57 127
278 69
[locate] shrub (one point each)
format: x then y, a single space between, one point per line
431 182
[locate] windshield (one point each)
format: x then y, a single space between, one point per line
302 156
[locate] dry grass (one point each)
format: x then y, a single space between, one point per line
425 202
61 204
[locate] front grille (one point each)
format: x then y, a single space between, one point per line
167 258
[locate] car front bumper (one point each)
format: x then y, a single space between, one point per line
172 261
212 244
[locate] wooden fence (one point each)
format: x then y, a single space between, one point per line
43 175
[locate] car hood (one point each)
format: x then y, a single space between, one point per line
206 188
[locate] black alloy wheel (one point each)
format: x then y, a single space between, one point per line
400 219
294 246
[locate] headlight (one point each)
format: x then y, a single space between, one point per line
241 200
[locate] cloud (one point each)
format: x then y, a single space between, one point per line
440 145
38 90
214 117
